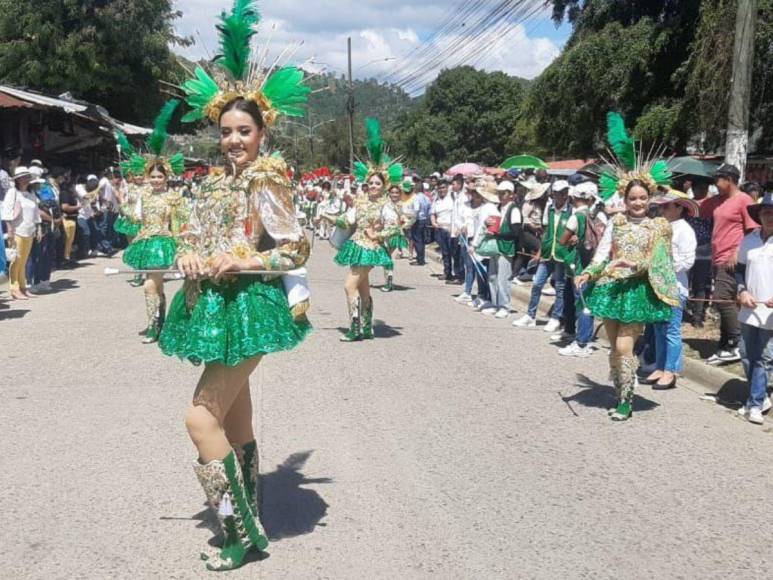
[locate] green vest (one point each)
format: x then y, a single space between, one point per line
570 255
553 233
507 247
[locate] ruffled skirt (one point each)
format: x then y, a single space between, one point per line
127 227
628 301
397 242
154 253
231 322
354 255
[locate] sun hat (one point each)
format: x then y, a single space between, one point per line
486 187
679 198
20 172
535 190
754 210
585 190
408 185
506 186
561 185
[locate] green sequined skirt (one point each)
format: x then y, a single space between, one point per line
397 242
628 301
127 227
231 322
154 253
355 255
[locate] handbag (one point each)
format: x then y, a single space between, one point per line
488 248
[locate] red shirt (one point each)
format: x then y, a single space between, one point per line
731 224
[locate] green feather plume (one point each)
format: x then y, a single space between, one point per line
375 142
236 29
395 172
607 185
158 138
127 148
360 171
177 163
135 165
661 173
621 142
199 93
286 91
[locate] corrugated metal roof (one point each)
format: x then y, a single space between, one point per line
38 99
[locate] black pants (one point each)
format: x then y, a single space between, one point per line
443 238
417 235
725 288
457 261
700 281
530 244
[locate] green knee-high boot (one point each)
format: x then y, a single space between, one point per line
367 320
224 486
628 366
614 376
247 455
354 333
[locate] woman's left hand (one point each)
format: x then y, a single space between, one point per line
227 263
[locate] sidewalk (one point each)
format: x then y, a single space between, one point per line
725 386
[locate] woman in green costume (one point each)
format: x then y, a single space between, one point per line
234 309
154 246
365 249
398 217
632 271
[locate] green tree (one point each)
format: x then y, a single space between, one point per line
110 52
465 115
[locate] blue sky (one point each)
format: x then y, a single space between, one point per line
381 31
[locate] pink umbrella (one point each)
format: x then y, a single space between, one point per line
465 169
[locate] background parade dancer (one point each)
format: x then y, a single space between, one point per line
365 250
127 223
243 220
399 218
155 245
632 269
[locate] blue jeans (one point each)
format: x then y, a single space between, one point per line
87 236
469 268
417 235
499 270
456 258
576 322
668 341
105 233
754 342
443 238
41 259
544 270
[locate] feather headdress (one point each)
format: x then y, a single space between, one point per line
137 164
379 161
628 162
240 72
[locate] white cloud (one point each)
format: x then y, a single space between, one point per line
382 32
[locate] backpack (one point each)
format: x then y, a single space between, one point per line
594 230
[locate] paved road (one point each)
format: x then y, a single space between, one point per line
452 447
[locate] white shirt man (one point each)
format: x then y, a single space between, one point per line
443 211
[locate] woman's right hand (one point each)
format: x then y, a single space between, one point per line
191 266
746 300
581 280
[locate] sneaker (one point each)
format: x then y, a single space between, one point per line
488 310
766 406
44 287
502 313
755 416
92 254
724 356
552 325
563 336
519 282
463 298
525 321
476 303
548 291
575 350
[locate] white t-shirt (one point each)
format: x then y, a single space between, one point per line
758 257
485 211
443 210
683 244
108 195
24 225
85 212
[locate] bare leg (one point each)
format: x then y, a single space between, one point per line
363 284
216 392
238 421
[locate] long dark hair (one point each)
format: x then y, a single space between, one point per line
245 106
636 183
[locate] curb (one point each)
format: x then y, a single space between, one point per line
714 380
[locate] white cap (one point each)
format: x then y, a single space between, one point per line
92 177
506 186
437 175
560 185
585 190
36 163
36 170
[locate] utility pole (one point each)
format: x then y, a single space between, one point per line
311 141
737 139
350 108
